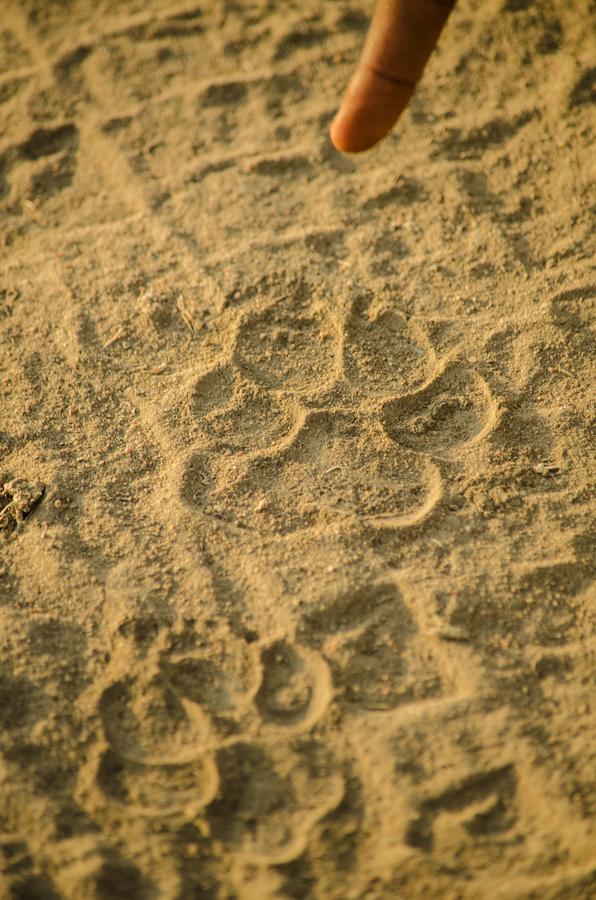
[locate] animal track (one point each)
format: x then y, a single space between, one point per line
201 737
163 729
189 149
389 482
270 799
286 463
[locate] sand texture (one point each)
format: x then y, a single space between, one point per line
296 593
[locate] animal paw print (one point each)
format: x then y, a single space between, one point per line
301 403
314 422
166 728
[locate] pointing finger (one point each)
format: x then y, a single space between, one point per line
401 38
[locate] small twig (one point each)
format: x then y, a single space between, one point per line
118 335
185 314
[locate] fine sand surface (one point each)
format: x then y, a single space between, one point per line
295 558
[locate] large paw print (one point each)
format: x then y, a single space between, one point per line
309 421
195 734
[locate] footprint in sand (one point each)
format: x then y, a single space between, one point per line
306 485
164 730
293 460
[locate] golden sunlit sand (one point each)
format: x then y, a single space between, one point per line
295 468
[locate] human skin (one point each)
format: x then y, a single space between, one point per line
402 36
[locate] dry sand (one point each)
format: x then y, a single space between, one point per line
295 579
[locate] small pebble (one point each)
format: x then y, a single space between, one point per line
547 470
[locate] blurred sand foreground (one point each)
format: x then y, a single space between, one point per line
295 558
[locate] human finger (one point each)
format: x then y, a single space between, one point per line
400 40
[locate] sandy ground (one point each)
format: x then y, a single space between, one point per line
295 555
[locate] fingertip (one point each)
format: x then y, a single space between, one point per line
349 136
337 135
